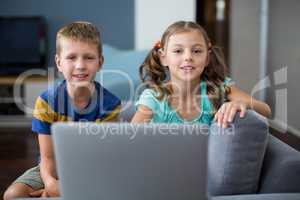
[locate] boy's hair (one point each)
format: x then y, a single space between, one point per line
80 31
154 74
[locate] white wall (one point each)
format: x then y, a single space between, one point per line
153 17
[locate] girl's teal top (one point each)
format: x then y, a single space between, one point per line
164 113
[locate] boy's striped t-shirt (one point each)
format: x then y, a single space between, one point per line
55 105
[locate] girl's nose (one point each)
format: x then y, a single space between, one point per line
187 56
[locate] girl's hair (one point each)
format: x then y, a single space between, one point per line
154 74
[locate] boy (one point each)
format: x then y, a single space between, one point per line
77 98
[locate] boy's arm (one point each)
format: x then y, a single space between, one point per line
47 165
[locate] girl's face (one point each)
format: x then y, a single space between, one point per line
186 55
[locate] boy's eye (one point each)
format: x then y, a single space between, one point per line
90 57
71 57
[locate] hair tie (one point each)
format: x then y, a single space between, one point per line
157 45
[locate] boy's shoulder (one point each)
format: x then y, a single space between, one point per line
109 104
108 99
53 92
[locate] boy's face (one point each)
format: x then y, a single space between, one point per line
78 61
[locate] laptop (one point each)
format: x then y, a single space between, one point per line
123 161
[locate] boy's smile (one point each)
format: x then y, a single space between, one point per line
80 77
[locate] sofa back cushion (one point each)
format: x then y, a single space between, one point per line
236 155
120 71
127 111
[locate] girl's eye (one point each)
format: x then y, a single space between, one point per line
177 51
198 51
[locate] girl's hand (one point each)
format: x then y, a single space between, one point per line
227 112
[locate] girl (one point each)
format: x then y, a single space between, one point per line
186 80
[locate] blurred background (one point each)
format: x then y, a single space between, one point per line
260 39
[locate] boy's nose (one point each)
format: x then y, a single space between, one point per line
80 64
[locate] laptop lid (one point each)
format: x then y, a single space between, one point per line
114 161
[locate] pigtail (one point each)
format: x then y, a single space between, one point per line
153 73
215 74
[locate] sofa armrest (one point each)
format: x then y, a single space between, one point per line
236 155
281 168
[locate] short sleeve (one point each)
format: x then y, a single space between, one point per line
43 117
148 98
228 82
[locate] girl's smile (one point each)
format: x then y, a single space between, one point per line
187 68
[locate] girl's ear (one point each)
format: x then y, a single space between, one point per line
58 62
162 57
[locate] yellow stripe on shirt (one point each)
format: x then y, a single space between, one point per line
112 116
44 112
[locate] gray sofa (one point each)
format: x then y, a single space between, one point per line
270 168
274 168
253 163
247 165
250 164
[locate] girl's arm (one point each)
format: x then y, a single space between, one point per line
240 101
238 95
143 115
